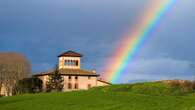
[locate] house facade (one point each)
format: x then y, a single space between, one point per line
75 78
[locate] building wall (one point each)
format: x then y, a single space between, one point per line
44 79
62 62
83 82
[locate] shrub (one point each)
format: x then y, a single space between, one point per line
151 88
193 85
182 86
186 86
29 85
174 84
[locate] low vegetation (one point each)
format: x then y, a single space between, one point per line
174 87
141 96
29 85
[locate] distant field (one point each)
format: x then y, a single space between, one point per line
146 96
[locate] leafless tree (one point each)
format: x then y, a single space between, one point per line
13 67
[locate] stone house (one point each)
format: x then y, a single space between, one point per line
75 78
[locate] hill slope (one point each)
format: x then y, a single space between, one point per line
116 97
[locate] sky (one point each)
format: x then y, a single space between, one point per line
43 29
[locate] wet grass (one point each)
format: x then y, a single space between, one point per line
116 97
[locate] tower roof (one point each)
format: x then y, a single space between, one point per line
70 54
75 72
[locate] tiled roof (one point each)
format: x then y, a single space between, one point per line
70 54
78 72
100 80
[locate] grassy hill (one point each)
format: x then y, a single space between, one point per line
143 96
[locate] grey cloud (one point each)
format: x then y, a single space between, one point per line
158 69
42 29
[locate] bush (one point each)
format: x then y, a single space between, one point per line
186 86
183 86
174 84
193 85
151 89
29 85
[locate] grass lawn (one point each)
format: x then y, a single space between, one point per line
117 97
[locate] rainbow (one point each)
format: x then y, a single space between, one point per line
135 39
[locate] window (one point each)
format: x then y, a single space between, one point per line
69 77
71 62
69 86
76 86
67 62
76 63
76 78
89 86
89 77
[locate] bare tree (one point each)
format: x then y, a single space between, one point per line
13 67
1 77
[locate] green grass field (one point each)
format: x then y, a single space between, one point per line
146 96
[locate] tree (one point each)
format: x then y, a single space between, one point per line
29 85
55 82
13 67
193 85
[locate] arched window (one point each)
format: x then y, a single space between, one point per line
76 86
69 62
89 86
69 78
69 86
77 62
76 78
66 63
74 63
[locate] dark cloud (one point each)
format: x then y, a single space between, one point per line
42 29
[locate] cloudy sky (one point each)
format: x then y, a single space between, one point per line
42 29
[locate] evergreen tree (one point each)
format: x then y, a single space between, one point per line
55 82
